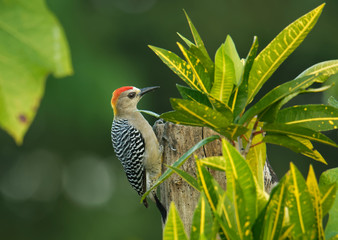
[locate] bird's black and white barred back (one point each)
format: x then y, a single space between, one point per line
129 148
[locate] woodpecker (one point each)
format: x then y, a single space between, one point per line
135 143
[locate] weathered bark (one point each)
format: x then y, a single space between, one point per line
178 139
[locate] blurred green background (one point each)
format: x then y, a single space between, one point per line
65 182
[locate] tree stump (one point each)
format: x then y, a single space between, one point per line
178 139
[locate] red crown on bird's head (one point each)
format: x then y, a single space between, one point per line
117 93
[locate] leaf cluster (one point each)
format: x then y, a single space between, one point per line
294 209
220 94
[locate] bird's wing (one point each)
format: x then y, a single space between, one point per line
129 148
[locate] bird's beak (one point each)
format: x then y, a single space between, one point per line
147 89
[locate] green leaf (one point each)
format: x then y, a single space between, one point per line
179 163
309 134
177 65
32 46
230 50
210 187
201 74
277 94
228 218
225 76
328 178
270 114
256 159
187 41
198 41
198 112
215 162
274 213
299 203
332 102
237 169
279 49
311 182
296 144
186 176
182 118
202 220
174 229
151 113
324 69
328 195
242 95
220 106
316 117
193 95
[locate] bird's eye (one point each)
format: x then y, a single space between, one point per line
131 95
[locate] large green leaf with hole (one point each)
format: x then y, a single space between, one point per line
277 94
279 49
299 203
202 220
32 46
316 117
281 128
323 70
174 229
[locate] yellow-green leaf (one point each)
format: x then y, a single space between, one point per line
202 220
201 74
277 94
330 178
32 46
210 187
323 70
316 117
306 133
279 49
237 169
311 182
186 176
299 203
225 76
177 65
274 214
230 50
198 41
215 162
174 229
296 144
199 112
179 163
